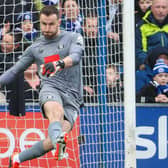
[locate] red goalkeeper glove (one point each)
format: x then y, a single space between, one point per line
51 68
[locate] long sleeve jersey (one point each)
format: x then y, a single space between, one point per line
65 44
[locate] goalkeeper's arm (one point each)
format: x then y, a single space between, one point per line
53 64
25 61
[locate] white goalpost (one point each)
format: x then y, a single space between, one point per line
129 86
103 135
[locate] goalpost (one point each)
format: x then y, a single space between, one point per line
129 86
103 135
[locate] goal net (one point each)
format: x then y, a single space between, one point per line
98 137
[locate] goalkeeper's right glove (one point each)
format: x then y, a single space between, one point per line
51 68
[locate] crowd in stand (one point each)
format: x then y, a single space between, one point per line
151 35
20 27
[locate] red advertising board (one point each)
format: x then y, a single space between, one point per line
18 133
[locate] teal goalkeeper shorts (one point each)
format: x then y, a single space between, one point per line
68 101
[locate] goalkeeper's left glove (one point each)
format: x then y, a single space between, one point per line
51 68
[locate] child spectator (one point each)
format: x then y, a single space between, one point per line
145 75
142 7
26 26
71 19
114 84
157 89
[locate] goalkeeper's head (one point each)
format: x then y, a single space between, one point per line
49 22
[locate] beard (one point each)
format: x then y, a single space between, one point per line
49 35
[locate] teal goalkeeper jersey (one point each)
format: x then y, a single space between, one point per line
65 44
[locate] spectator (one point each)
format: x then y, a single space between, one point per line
10 43
156 91
39 4
8 11
50 2
26 26
86 6
30 5
142 7
9 54
114 84
34 6
145 75
5 29
152 31
31 84
114 32
90 30
114 19
71 18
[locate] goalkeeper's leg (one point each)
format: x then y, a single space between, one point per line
42 147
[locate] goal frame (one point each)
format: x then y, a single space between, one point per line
129 83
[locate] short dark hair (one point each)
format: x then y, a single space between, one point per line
49 10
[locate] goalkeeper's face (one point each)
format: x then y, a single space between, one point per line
49 25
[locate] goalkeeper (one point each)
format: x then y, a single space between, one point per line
58 57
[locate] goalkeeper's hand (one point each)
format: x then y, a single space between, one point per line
51 68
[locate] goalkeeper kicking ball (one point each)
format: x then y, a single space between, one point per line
50 2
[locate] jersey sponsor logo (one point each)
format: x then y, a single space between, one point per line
61 46
41 50
79 40
51 58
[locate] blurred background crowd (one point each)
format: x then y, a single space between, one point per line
19 27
